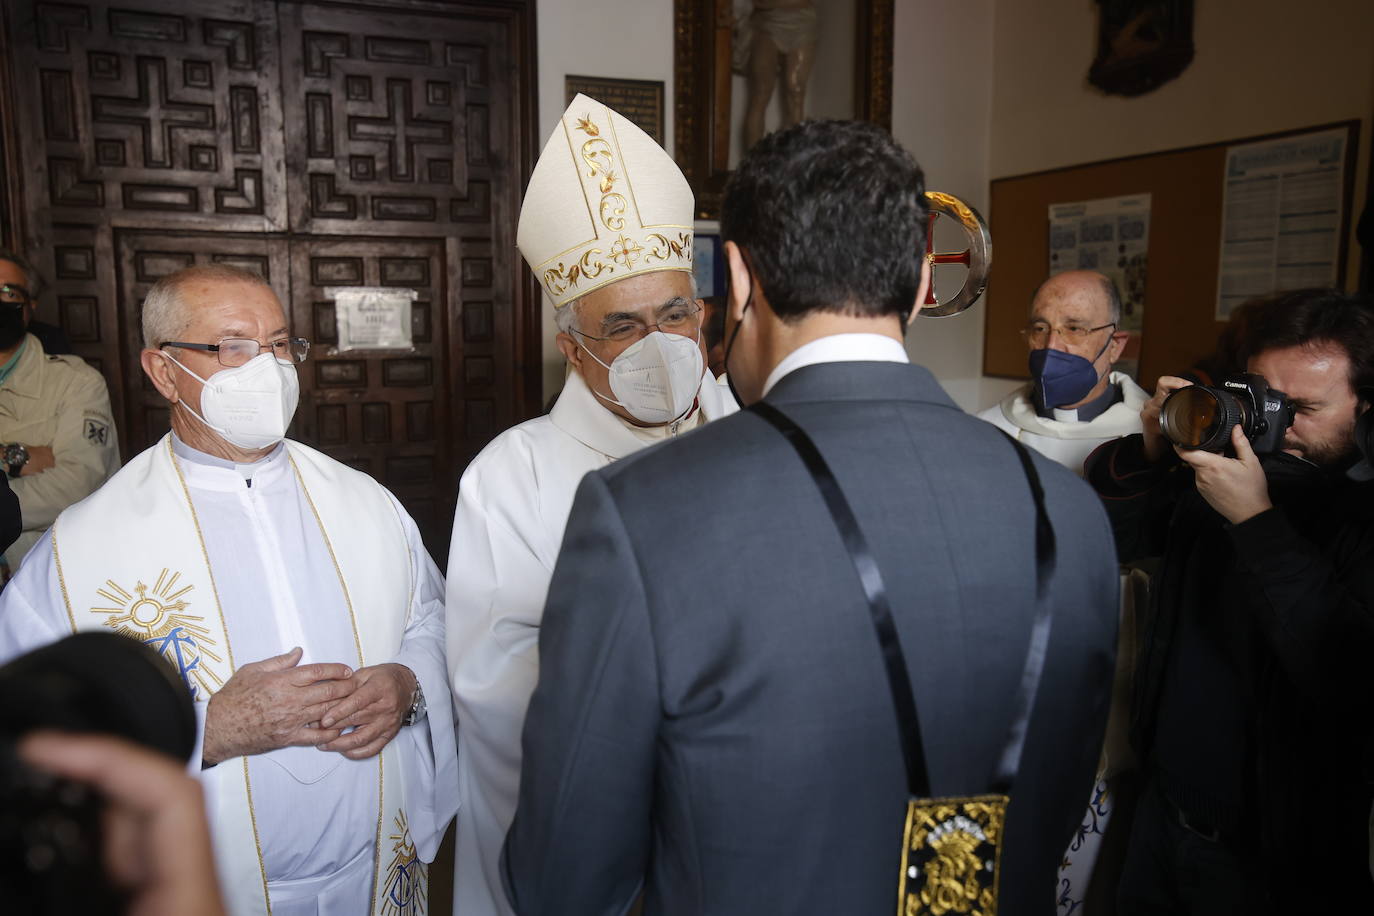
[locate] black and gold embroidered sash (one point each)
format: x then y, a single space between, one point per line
951 848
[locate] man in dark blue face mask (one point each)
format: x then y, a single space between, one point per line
1074 402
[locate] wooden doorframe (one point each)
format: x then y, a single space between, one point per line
527 373
11 188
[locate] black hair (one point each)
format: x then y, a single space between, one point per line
1307 317
831 216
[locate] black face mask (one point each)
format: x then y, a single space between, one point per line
12 325
730 344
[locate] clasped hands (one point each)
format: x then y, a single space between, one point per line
1235 487
278 702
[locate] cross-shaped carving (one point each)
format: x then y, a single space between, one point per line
154 112
401 130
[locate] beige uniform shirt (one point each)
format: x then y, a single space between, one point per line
62 403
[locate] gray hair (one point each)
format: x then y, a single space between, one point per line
33 280
164 312
566 317
1113 294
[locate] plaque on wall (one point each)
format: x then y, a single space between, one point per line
372 317
639 100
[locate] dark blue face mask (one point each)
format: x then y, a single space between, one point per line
1061 378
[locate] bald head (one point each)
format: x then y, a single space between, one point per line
1090 296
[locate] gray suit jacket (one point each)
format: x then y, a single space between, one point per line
713 719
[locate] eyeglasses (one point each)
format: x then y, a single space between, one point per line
236 351
13 294
1038 332
677 317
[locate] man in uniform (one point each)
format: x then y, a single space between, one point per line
607 229
57 438
714 725
295 598
1074 401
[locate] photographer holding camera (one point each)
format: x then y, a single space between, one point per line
1251 708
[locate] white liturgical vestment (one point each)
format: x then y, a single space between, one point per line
513 504
301 551
1064 438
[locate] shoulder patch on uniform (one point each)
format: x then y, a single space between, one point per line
97 431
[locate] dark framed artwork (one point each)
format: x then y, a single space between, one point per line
1141 44
852 69
639 100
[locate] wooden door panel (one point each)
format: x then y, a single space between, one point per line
388 412
407 126
296 138
135 114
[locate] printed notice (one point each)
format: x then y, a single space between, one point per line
1281 217
372 317
1111 236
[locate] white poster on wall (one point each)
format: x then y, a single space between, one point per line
1110 235
1281 216
372 317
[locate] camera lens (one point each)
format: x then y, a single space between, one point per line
1199 417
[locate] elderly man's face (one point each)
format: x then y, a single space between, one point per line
218 310
639 303
1071 313
1317 380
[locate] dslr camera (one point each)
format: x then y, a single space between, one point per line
1199 417
51 841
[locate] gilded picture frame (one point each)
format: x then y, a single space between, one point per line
703 95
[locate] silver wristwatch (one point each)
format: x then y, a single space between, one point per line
15 456
417 706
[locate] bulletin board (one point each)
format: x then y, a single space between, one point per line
1186 188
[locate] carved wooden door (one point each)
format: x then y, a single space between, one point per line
379 143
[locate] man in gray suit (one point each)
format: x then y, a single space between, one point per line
713 724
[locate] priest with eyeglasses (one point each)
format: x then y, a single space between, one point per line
1074 401
293 596
606 227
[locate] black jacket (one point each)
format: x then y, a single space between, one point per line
1286 602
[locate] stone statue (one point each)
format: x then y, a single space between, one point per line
774 35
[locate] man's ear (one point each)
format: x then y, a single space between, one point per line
740 281
1118 346
922 290
570 350
157 367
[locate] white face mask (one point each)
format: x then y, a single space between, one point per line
657 377
250 405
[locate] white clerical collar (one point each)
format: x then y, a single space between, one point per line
209 472
839 348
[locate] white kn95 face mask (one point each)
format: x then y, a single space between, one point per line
250 405
657 377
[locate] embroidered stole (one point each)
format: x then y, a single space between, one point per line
131 558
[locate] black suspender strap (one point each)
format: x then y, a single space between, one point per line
866 567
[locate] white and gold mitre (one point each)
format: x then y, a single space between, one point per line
605 202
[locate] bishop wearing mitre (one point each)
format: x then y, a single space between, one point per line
606 227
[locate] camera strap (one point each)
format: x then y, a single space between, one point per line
973 823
